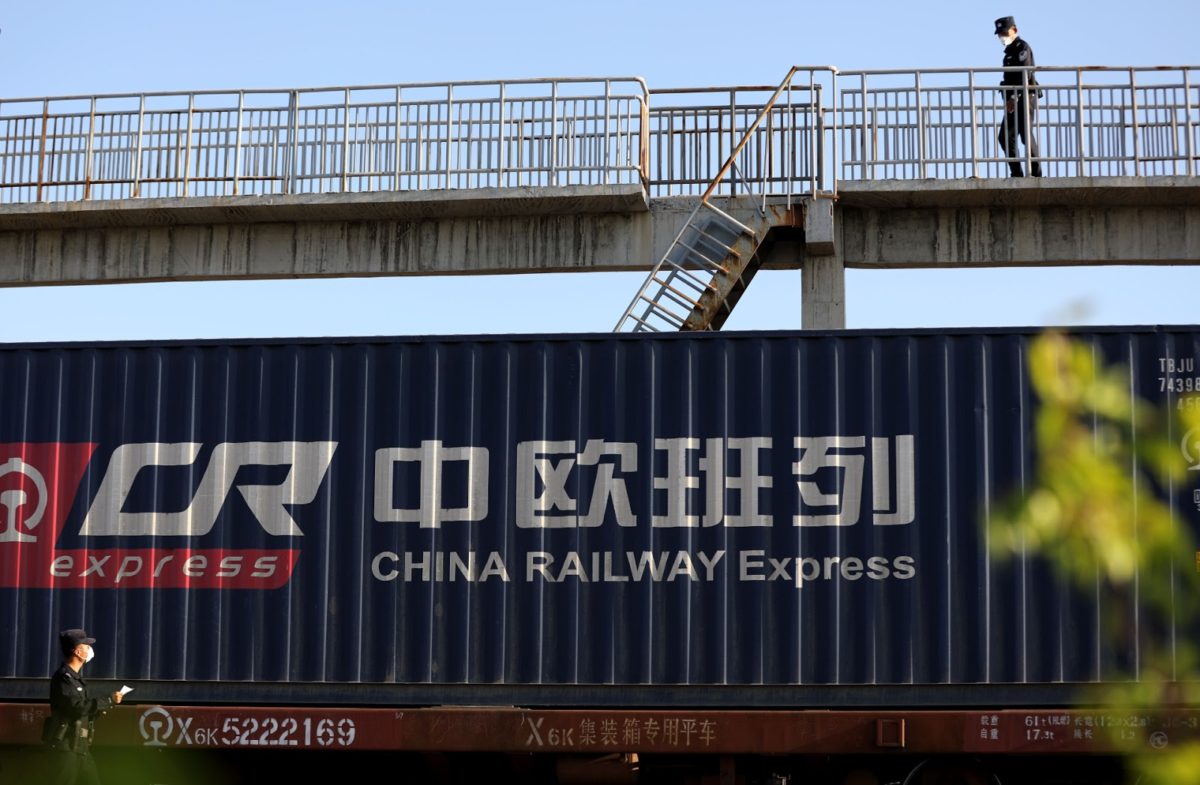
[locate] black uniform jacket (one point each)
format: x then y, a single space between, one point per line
1018 54
72 710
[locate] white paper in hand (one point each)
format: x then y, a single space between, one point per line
125 690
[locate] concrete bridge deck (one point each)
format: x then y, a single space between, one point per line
998 223
926 223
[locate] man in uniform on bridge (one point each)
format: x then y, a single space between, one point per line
1019 112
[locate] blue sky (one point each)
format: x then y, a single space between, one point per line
75 48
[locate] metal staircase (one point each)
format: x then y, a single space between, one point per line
701 277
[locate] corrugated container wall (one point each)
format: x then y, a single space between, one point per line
737 509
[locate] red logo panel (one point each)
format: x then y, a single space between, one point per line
38 485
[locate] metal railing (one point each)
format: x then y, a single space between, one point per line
1089 121
540 132
831 126
693 131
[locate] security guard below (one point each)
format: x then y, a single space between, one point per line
69 729
1017 114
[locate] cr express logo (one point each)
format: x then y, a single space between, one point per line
39 482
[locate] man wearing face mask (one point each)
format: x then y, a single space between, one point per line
69 729
1017 111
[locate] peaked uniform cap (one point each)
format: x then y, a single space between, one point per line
69 639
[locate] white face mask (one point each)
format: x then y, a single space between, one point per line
90 653
1007 39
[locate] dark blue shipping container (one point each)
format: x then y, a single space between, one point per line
791 517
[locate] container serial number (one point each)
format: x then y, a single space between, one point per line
1179 384
287 732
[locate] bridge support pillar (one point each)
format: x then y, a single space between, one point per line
823 275
823 300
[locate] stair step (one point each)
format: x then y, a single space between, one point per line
727 218
641 326
664 313
694 281
700 260
716 241
680 297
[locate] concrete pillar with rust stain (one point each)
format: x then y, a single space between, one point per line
823 277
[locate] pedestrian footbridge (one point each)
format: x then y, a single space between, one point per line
699 186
